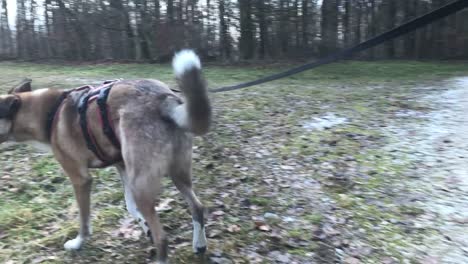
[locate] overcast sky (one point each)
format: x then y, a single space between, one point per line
11 5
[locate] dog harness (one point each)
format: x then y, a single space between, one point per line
100 95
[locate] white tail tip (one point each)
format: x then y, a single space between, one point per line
184 61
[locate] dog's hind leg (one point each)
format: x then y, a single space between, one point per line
145 191
130 201
144 175
182 179
82 183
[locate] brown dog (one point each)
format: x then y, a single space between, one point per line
154 128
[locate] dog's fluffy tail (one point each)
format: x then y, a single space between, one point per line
195 114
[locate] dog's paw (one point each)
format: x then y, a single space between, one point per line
74 244
199 238
200 250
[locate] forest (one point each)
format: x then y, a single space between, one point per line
356 162
225 31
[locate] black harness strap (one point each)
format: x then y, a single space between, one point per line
102 94
53 112
107 126
90 142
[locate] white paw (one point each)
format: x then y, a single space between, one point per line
74 244
199 238
141 221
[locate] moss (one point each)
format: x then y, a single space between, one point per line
411 210
260 201
303 252
315 219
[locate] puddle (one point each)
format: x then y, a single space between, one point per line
326 121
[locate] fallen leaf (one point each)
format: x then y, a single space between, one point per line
42 259
214 233
233 229
218 213
262 226
184 244
164 205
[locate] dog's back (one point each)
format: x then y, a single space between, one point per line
146 109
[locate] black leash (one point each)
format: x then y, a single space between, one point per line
389 35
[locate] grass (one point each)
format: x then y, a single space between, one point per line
351 72
258 159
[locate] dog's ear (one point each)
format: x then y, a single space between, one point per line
9 105
24 86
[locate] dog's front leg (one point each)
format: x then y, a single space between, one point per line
82 183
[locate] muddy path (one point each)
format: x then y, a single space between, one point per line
436 142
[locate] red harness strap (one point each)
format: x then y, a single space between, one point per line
98 94
99 153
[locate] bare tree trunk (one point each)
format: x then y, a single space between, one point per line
462 33
32 38
438 29
284 26
83 39
329 26
122 39
263 27
297 31
247 42
410 39
390 18
144 30
20 29
170 11
48 29
6 31
224 38
305 23
347 23
372 26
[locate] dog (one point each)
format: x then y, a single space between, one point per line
152 125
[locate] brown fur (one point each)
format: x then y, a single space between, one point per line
152 145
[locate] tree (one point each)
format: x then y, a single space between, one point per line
247 41
223 29
390 18
347 23
6 43
224 38
329 26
